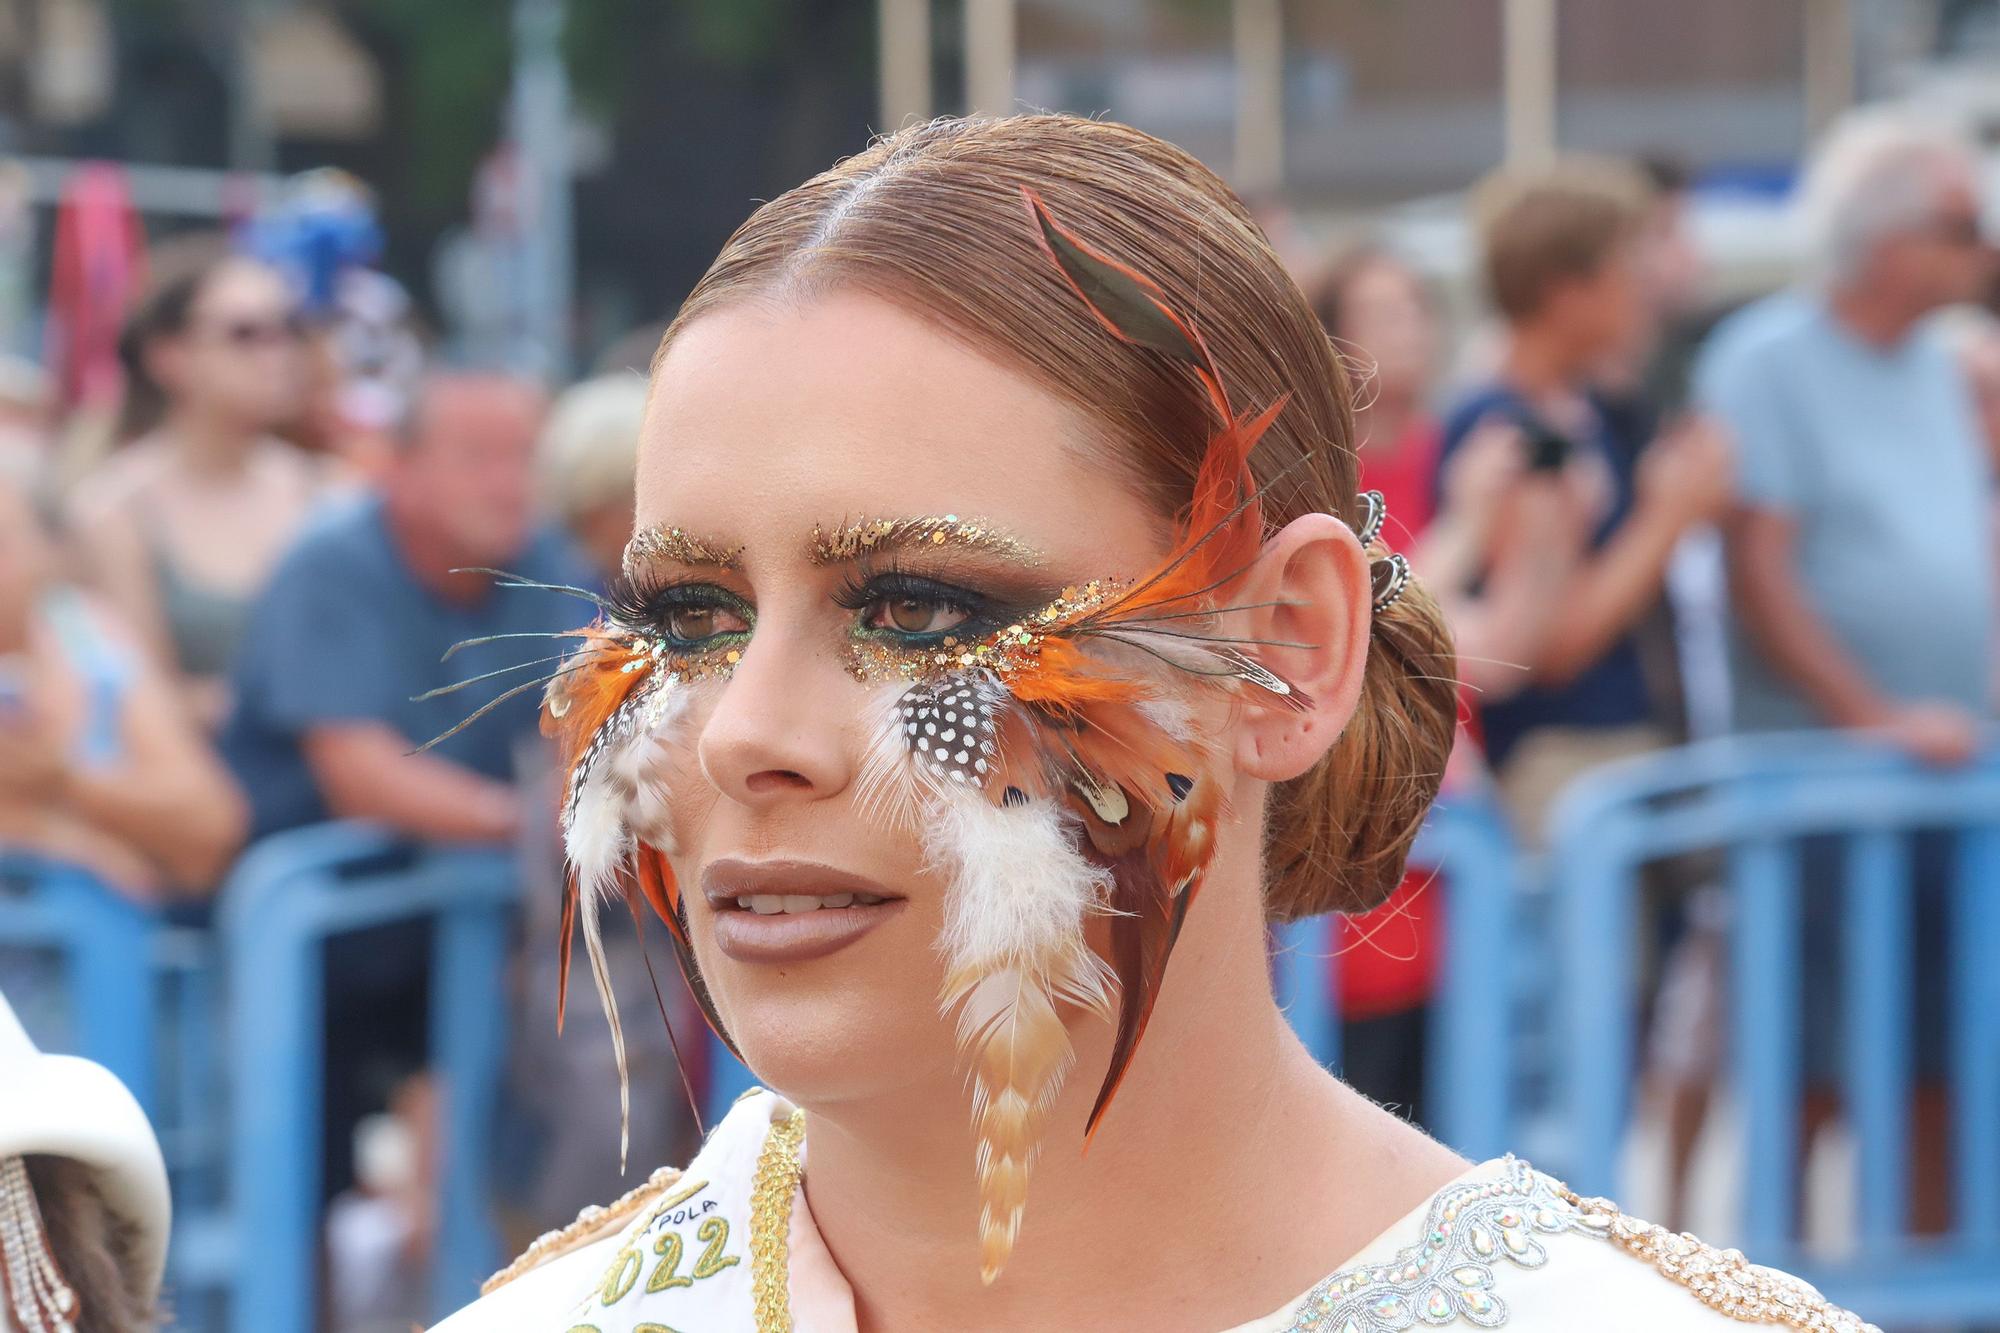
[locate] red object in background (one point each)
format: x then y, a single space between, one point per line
1406 474
1388 958
98 266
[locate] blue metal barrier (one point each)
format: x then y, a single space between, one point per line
1469 1068
728 1079
288 896
1755 798
103 942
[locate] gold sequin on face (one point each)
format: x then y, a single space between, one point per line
681 547
643 652
1005 652
940 532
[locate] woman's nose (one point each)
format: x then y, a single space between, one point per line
780 730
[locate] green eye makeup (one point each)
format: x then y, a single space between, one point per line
914 616
700 627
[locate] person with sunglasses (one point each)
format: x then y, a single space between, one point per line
1859 547
182 525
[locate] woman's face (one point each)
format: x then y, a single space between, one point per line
775 435
239 355
1386 315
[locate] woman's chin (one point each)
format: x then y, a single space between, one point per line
852 1040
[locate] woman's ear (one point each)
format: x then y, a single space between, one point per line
1310 598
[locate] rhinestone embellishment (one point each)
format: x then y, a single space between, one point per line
1723 1280
1449 1276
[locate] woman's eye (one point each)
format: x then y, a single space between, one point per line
916 615
691 624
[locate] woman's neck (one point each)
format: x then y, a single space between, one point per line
1541 364
209 442
1227 1151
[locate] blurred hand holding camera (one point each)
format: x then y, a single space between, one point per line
1687 475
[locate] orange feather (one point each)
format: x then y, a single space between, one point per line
1122 751
661 889
575 707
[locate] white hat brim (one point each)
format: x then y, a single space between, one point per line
62 1106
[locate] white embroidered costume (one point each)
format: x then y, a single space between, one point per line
729 1246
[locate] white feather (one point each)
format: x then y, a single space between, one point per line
1014 916
641 767
1170 714
1021 886
622 793
600 973
890 788
597 840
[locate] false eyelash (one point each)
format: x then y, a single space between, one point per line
863 587
643 603
983 612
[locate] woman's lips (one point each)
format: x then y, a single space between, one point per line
765 936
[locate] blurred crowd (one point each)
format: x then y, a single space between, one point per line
233 605
1652 522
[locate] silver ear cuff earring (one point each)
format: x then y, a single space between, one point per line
1389 573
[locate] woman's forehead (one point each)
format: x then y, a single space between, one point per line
241 282
768 422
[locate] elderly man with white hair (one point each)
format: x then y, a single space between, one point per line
1862 593
1860 544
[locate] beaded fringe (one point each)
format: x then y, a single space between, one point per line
41 1300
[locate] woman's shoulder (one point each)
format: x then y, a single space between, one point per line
1506 1246
120 480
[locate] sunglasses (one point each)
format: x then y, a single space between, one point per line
1962 231
255 332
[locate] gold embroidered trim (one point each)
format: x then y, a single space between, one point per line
1723 1280
589 1223
771 1192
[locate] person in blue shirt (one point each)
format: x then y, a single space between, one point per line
355 622
1562 248
354 626
1861 545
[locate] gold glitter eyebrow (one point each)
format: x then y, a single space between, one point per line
942 532
661 542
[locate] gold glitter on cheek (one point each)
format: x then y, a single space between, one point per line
647 653
680 546
712 664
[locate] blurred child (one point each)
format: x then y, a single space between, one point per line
1565 260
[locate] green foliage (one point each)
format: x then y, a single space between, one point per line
1202 11
607 40
450 64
